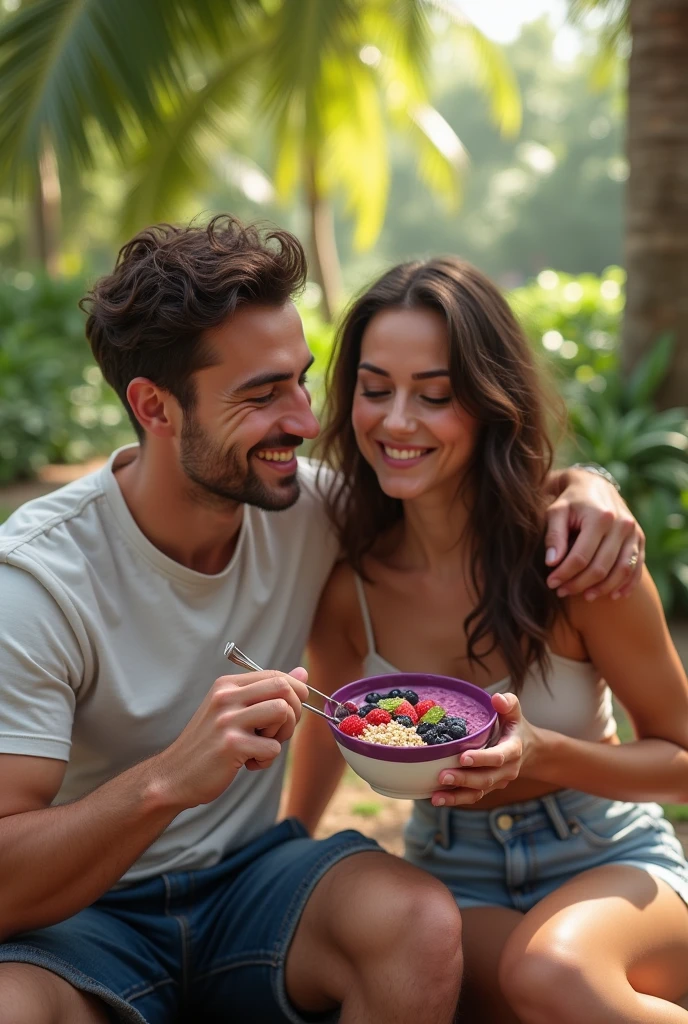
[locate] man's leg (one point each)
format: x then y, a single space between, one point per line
381 938
32 995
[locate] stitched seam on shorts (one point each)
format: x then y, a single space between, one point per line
137 993
183 931
257 961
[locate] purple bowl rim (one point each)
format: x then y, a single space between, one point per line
413 755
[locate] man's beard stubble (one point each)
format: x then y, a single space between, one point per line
218 477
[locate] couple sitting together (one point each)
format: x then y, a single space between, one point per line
144 876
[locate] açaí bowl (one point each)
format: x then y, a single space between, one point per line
411 773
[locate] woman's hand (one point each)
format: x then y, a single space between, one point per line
482 771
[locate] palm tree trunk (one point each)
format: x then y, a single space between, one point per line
324 257
46 213
657 195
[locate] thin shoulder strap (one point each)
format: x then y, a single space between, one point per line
365 613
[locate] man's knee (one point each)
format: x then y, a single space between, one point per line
32 995
398 911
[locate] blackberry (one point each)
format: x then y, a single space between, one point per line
404 720
364 709
372 698
411 696
394 693
341 713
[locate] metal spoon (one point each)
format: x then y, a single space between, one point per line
233 653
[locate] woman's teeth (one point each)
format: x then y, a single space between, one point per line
404 453
276 456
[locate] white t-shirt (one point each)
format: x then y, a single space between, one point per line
107 646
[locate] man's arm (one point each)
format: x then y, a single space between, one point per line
593 542
54 861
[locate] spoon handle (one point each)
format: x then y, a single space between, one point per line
233 653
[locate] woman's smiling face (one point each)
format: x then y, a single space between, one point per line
408 425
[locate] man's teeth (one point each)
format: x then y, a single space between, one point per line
404 453
276 456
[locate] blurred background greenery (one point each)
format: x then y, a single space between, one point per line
516 133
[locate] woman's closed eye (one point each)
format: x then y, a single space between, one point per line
432 400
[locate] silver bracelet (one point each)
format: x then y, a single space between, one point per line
593 467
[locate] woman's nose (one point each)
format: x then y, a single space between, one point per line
398 418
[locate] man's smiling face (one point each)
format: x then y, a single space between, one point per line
252 410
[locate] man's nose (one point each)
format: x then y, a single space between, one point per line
301 419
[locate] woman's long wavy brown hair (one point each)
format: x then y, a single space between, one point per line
494 377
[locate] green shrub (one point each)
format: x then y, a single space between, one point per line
613 421
54 405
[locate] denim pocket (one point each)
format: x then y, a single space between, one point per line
612 829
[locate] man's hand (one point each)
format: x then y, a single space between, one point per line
607 546
244 720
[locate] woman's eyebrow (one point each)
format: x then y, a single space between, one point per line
424 375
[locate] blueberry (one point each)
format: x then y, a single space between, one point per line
372 698
411 696
455 726
430 735
424 727
404 720
395 693
341 713
364 709
443 737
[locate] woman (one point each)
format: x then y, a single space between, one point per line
573 895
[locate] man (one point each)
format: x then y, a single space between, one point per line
142 873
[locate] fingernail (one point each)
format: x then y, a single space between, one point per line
562 592
467 760
439 801
449 780
551 555
590 597
553 582
616 596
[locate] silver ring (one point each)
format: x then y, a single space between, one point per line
633 560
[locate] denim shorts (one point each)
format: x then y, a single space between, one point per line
515 855
206 945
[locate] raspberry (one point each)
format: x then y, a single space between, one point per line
352 726
434 715
378 716
351 707
390 703
422 706
407 710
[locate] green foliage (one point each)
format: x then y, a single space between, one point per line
612 419
54 405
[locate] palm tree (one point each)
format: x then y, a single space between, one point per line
656 248
164 83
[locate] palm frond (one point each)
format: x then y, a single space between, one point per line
65 64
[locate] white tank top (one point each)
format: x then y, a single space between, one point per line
576 700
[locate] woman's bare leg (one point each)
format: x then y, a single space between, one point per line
608 947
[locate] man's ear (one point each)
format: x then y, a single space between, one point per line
156 409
